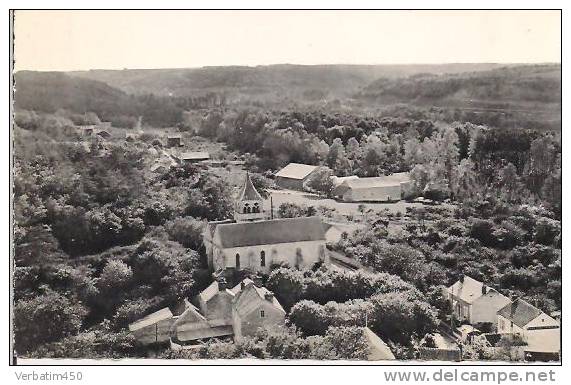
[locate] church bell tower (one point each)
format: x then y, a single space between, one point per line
249 206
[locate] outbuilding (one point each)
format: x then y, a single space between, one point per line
294 175
388 188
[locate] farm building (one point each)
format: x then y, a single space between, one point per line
376 189
294 175
194 157
174 140
155 327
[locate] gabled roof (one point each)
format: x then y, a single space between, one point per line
467 290
378 181
236 289
296 171
283 230
151 319
249 192
519 312
243 306
209 292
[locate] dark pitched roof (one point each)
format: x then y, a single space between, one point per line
249 192
519 312
284 230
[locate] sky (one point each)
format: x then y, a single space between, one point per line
82 40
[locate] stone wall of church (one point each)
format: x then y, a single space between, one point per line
295 254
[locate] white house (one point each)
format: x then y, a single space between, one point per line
474 301
294 175
541 332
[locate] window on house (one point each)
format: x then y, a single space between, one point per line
237 261
262 258
262 314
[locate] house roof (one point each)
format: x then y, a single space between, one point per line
209 292
378 349
283 230
195 155
296 171
519 312
236 289
174 136
151 319
249 192
467 290
378 181
243 306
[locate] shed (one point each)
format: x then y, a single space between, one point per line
294 175
154 327
194 157
174 140
375 189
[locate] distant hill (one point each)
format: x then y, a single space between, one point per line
50 91
516 84
311 81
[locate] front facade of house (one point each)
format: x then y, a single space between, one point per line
255 308
255 243
541 332
474 302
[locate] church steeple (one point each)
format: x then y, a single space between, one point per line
249 206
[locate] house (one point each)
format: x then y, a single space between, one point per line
194 157
378 349
253 242
154 327
225 312
294 175
376 189
541 332
87 130
474 302
255 308
174 140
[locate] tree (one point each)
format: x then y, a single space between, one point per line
115 276
321 181
187 231
45 318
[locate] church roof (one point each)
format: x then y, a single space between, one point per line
284 230
249 192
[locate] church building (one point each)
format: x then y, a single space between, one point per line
254 242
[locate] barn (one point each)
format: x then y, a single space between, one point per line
377 189
294 175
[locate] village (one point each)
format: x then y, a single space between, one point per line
241 250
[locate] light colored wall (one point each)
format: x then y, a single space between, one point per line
219 307
250 323
158 332
291 184
543 340
250 256
485 308
506 326
373 194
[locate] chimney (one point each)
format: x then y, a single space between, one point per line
242 285
484 289
462 278
269 296
222 285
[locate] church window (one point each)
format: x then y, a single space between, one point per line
262 314
256 208
237 261
246 208
262 258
